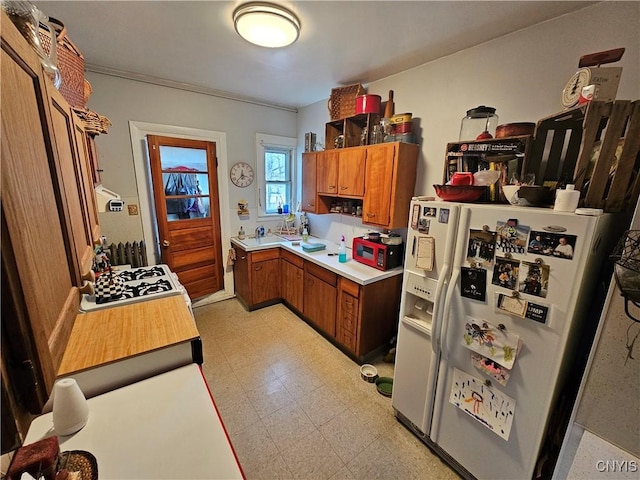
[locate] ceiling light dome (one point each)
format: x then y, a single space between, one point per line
266 24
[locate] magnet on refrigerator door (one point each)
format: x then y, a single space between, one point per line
444 215
490 407
505 273
415 216
552 244
430 212
490 340
534 279
512 304
482 247
490 368
512 237
473 283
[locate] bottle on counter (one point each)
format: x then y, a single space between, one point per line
342 251
305 234
241 233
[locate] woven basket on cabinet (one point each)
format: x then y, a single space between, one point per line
342 102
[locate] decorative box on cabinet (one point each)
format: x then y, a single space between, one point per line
351 128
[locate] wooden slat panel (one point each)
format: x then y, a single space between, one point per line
600 175
116 333
622 182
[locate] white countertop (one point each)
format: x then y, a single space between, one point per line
354 271
165 427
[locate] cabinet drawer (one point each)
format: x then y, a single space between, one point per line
323 274
352 288
261 255
292 258
349 304
348 322
348 339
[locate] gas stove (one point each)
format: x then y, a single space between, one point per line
140 284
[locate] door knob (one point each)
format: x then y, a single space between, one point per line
166 243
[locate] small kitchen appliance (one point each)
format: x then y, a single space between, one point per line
376 254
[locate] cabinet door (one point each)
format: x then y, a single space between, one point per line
309 176
351 173
379 177
241 275
83 142
292 284
320 303
327 171
75 188
33 238
265 281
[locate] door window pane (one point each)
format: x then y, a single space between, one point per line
183 158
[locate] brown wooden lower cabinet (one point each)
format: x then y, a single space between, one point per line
320 296
292 280
257 277
360 319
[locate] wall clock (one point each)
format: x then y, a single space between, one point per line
573 89
242 174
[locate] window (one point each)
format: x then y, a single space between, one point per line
276 171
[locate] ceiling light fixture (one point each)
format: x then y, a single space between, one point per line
266 24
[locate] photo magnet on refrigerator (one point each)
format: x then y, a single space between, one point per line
552 244
512 237
481 248
473 283
505 273
534 279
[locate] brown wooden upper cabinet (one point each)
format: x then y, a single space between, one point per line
390 178
309 176
341 172
383 175
49 222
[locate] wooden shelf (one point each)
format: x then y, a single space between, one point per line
351 128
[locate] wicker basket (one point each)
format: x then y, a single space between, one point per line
342 102
70 63
94 123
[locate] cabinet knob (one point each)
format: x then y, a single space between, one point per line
371 215
166 243
343 187
259 267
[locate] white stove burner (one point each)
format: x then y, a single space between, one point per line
143 283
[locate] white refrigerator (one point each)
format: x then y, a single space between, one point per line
494 304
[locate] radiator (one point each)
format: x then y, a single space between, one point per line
130 253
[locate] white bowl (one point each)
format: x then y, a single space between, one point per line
511 194
369 373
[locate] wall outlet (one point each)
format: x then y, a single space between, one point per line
133 209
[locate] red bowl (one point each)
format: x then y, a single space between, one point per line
459 193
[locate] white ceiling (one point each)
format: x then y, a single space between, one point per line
341 42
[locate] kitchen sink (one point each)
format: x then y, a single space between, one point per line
261 242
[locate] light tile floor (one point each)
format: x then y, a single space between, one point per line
295 407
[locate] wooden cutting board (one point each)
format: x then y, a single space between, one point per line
112 334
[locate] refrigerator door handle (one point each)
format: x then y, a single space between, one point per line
435 323
447 309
